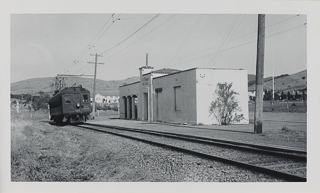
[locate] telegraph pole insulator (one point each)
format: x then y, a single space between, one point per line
259 75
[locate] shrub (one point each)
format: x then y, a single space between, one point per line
285 129
99 107
115 108
41 101
225 106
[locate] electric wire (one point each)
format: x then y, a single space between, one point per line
284 31
293 28
185 39
101 30
85 50
82 68
103 53
202 30
221 45
283 20
253 32
107 29
225 38
141 37
100 35
231 35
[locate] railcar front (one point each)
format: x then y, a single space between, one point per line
72 105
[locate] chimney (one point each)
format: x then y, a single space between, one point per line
147 59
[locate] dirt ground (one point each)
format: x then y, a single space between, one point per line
44 152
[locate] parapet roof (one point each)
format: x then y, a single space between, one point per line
165 71
170 71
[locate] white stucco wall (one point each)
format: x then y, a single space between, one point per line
197 89
207 80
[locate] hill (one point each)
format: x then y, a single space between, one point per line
285 82
47 85
252 78
297 81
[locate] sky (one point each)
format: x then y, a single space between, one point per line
44 45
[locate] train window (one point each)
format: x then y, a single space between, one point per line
67 100
85 98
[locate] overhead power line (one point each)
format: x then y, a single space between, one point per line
281 32
253 32
129 36
91 44
186 38
113 21
226 37
101 30
142 37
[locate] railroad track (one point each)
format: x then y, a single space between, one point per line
287 164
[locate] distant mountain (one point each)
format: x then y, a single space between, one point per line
252 78
46 85
285 82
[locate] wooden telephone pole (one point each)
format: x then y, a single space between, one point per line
259 75
94 84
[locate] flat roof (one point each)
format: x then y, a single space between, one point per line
199 68
181 72
129 84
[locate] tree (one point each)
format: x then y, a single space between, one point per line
283 96
267 95
225 106
304 96
288 95
276 96
41 101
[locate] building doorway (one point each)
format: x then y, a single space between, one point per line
145 106
124 108
158 106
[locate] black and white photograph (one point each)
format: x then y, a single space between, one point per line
151 98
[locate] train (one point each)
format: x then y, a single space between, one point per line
70 105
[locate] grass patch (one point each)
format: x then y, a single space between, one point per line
41 152
281 106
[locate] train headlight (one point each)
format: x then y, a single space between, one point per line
78 105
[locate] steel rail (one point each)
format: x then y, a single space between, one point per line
253 147
278 174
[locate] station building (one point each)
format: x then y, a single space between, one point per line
174 96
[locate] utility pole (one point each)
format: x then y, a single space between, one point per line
259 75
272 75
94 84
60 83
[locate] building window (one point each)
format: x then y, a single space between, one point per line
177 98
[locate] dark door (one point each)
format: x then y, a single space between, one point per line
159 94
68 105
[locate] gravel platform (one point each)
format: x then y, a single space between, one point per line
288 130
